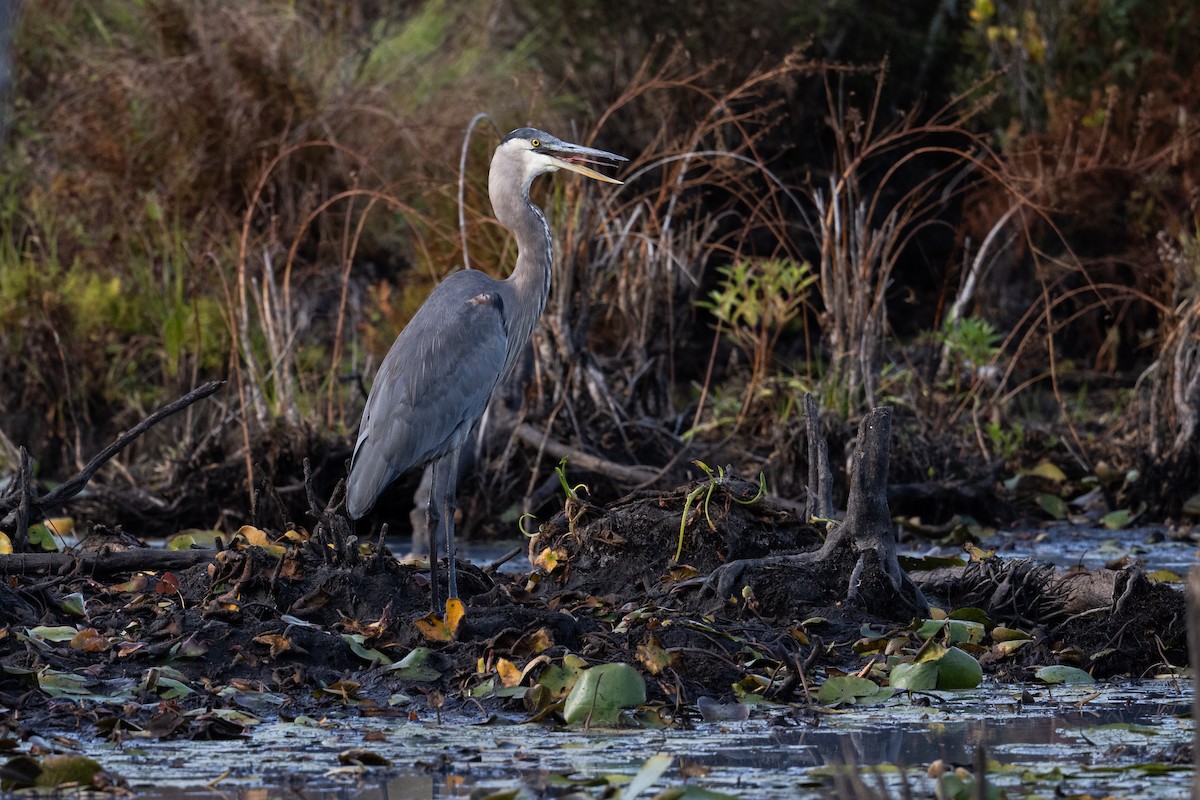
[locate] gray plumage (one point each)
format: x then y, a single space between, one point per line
435 382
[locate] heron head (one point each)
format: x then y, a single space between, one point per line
533 152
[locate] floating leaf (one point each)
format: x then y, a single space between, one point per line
914 677
163 685
943 668
971 614
1063 674
1011 646
957 629
961 786
602 692
509 674
651 771
559 680
50 772
195 537
138 583
345 690
533 643
958 669
1003 634
233 715
1164 576
851 689
255 537
40 536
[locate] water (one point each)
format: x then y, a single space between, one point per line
1067 734
1092 548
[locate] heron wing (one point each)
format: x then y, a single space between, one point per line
432 387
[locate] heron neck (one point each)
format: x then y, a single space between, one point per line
530 278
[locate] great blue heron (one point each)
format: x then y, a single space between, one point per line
435 382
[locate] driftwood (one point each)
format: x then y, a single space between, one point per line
581 460
20 505
858 559
1028 593
138 559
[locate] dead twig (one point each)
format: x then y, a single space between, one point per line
581 460
24 499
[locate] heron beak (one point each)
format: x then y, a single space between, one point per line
571 156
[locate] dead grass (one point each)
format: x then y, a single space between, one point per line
266 191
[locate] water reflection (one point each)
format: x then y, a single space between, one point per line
772 752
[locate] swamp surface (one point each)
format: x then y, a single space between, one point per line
1128 735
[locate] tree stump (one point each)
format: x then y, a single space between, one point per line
858 561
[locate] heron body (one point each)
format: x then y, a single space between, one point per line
435 382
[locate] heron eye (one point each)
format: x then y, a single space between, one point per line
536 142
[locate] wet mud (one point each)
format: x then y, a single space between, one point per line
249 621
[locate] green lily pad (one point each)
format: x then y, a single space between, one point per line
1063 674
602 692
558 680
62 684
958 669
914 677
850 690
959 630
942 668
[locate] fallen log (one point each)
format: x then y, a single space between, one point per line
139 559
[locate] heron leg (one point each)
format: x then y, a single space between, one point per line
433 514
449 500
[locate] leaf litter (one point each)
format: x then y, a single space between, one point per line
295 631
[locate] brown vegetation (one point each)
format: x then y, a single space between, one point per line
264 192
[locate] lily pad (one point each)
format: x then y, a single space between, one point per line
851 690
942 668
602 692
1062 674
958 630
